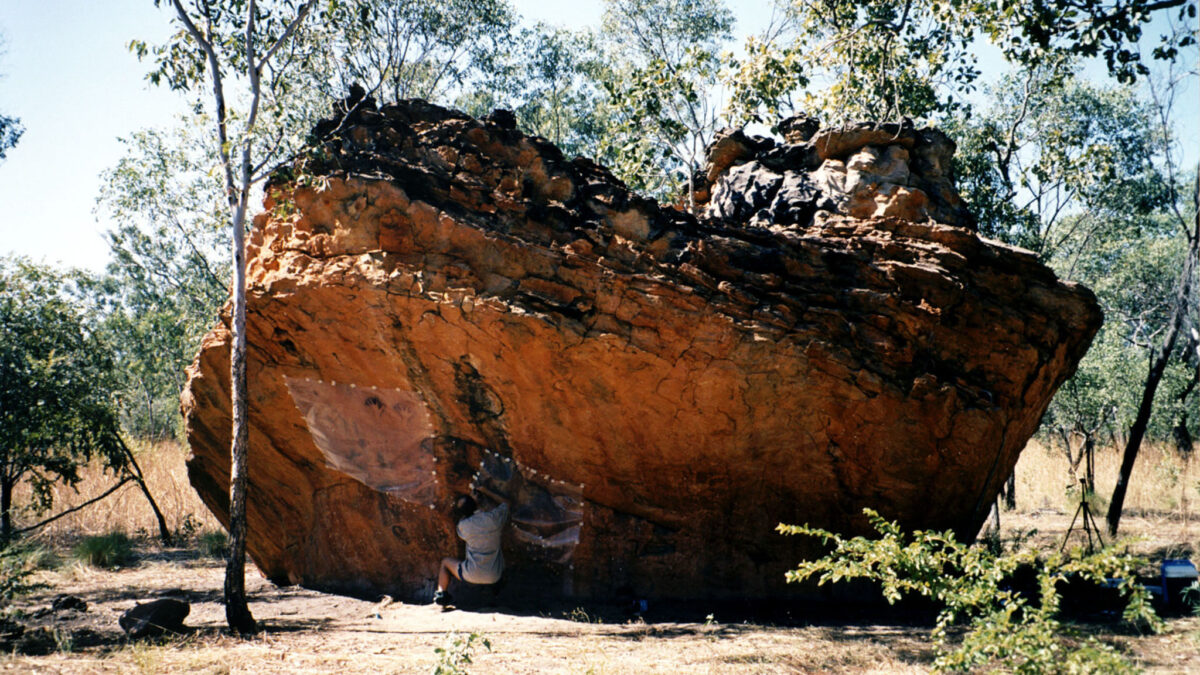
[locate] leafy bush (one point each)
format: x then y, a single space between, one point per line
213 543
17 563
56 382
188 527
106 550
1191 597
455 656
971 584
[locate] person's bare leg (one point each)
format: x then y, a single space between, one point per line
449 568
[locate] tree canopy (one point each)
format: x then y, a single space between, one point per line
10 127
167 276
56 383
877 59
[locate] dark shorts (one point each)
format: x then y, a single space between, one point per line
472 575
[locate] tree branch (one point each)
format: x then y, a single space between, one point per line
218 93
93 500
287 33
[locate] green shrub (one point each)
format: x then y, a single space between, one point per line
213 543
17 563
106 550
188 527
455 656
1004 629
41 557
1191 597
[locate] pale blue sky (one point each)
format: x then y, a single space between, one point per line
67 74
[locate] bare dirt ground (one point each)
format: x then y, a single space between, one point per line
310 632
307 631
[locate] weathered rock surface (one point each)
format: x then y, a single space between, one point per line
862 170
436 301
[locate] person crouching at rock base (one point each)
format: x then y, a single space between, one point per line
481 531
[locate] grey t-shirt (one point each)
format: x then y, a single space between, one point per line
482 532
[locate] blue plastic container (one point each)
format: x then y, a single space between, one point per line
1176 576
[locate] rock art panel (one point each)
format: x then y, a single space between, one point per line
382 438
437 302
547 515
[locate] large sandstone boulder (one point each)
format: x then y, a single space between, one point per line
436 301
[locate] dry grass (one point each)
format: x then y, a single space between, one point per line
1161 517
127 510
1163 483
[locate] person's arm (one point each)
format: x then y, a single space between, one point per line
492 494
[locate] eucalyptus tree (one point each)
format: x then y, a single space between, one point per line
401 49
880 59
1048 144
242 51
1181 320
663 69
166 280
1133 267
1181 330
553 90
845 60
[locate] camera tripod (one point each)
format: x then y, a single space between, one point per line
1089 525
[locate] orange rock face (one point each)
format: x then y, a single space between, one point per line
436 302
